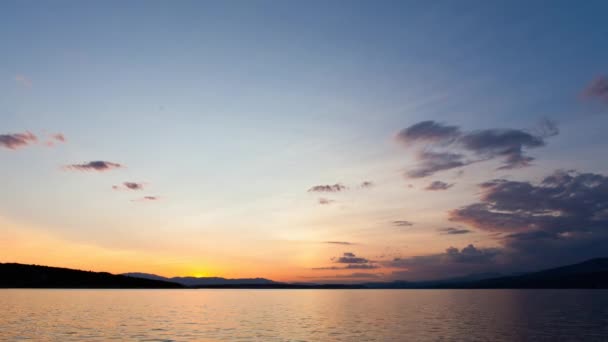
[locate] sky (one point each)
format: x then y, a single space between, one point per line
323 141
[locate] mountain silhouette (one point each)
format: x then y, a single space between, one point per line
203 281
13 275
591 274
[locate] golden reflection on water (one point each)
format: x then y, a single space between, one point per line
304 315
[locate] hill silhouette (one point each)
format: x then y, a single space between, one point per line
591 274
13 275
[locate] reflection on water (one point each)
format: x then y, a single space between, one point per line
304 315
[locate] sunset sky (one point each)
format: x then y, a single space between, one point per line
304 141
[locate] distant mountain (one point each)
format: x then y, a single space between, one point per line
591 274
14 275
204 281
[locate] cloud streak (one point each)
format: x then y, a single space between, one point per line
129 186
327 188
97 166
402 223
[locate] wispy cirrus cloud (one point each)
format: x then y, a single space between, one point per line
345 243
438 185
98 166
444 147
14 141
129 186
328 188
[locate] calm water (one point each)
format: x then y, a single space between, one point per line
304 315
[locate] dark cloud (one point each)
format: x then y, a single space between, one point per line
359 275
350 258
438 185
367 184
339 243
129 186
564 217
454 231
428 131
453 262
327 188
99 166
351 261
17 140
402 223
597 90
325 201
431 162
447 147
508 144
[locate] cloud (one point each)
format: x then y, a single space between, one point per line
402 223
359 275
129 186
506 143
339 243
97 165
431 162
452 262
597 90
454 231
146 199
327 188
325 201
56 138
448 147
350 258
59 137
24 81
15 141
351 262
563 217
367 184
438 185
428 131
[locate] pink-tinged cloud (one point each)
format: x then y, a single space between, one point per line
146 199
129 186
58 137
325 201
17 140
24 81
98 166
55 138
597 90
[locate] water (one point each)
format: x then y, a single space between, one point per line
304 315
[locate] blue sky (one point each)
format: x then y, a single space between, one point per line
229 112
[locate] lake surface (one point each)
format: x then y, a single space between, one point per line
304 315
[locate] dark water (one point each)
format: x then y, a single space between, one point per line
304 315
